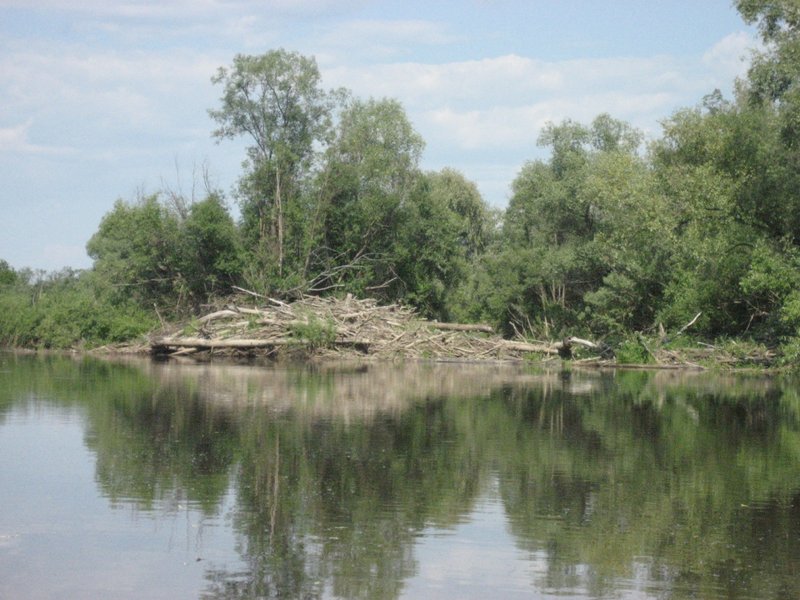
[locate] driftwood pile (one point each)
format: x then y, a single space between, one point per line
330 327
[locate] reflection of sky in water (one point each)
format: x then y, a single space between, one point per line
479 559
59 538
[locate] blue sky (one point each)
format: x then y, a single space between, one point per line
107 99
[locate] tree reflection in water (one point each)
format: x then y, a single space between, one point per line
682 485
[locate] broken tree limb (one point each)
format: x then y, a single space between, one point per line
689 324
526 347
643 344
581 342
563 348
220 314
244 291
463 327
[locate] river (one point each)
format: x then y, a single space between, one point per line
139 479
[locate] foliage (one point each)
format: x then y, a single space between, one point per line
371 172
66 310
135 250
773 74
633 351
7 275
145 252
314 332
211 251
577 223
276 101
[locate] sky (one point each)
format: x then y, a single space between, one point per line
103 100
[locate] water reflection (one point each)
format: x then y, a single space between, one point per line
366 482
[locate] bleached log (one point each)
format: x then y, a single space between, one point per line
556 348
526 347
462 327
220 314
242 343
192 342
579 342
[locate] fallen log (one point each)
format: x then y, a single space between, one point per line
562 348
580 342
220 314
462 327
241 343
526 347
208 344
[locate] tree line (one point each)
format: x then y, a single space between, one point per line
606 237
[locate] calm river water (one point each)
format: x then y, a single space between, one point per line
144 480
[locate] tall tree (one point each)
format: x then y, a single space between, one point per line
557 211
371 172
276 100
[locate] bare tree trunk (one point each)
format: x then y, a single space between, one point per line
279 210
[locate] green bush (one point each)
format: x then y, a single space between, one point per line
314 332
632 351
66 310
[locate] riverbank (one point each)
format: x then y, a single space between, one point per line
314 328
317 329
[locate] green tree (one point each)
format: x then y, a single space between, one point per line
66 309
7 274
371 172
461 227
565 230
774 74
212 255
136 250
275 100
462 199
729 179
633 243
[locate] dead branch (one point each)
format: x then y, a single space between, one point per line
380 331
244 291
582 342
526 347
463 327
689 324
220 314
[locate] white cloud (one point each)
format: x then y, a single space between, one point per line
731 54
15 139
503 102
69 93
485 82
186 9
370 40
493 109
